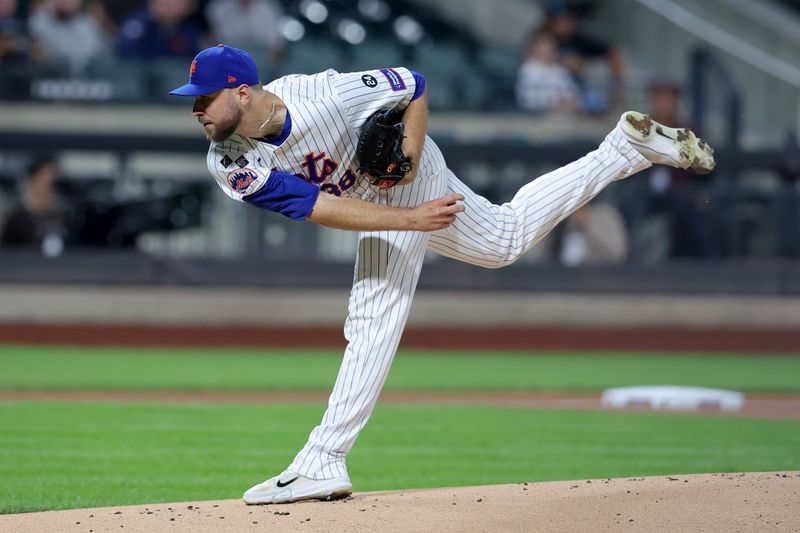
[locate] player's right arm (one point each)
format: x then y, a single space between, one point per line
358 215
297 199
254 183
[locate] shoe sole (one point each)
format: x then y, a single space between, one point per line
695 154
329 492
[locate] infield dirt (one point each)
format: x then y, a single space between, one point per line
742 502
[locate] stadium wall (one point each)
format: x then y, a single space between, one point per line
133 299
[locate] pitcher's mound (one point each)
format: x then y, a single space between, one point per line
713 502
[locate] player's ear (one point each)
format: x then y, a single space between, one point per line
244 94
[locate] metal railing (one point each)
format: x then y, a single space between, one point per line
728 43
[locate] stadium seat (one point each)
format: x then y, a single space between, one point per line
311 55
374 54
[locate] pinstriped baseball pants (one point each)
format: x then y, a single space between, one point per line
389 263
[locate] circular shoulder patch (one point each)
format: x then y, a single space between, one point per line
240 179
369 80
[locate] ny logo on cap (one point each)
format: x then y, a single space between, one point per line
192 68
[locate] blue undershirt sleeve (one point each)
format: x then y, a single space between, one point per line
286 194
420 79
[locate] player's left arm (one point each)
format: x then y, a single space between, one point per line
415 121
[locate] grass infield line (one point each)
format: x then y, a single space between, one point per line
70 368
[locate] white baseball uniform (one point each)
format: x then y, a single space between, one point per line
318 144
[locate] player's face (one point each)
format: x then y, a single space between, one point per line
218 113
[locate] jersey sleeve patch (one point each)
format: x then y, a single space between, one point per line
395 80
241 179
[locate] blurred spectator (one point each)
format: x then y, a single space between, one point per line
675 192
164 29
543 84
37 220
669 204
595 234
71 39
248 24
20 56
110 14
576 49
9 9
787 201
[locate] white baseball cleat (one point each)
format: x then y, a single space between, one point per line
291 487
676 147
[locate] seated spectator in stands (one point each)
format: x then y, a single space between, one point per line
9 10
15 64
110 14
667 208
71 39
678 194
37 221
543 84
164 29
20 57
248 24
595 234
576 49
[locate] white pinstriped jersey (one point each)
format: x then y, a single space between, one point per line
326 110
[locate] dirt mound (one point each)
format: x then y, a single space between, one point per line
712 502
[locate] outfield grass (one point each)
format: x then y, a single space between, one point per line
82 455
60 368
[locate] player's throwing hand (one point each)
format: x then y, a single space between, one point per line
436 214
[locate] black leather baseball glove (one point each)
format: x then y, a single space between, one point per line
379 151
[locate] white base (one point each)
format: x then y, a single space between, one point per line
673 397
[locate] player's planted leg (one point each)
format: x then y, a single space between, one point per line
386 272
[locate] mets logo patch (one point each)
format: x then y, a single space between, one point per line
240 180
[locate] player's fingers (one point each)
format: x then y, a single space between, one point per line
448 210
453 198
454 208
448 200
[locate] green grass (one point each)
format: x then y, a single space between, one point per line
59 368
82 455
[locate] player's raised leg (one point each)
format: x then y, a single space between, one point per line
494 236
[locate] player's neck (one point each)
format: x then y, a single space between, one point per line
265 119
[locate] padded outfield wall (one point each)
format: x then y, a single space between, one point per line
134 299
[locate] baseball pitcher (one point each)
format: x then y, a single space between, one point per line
350 151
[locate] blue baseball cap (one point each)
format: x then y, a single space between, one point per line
218 68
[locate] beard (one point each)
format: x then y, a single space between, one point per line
225 127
